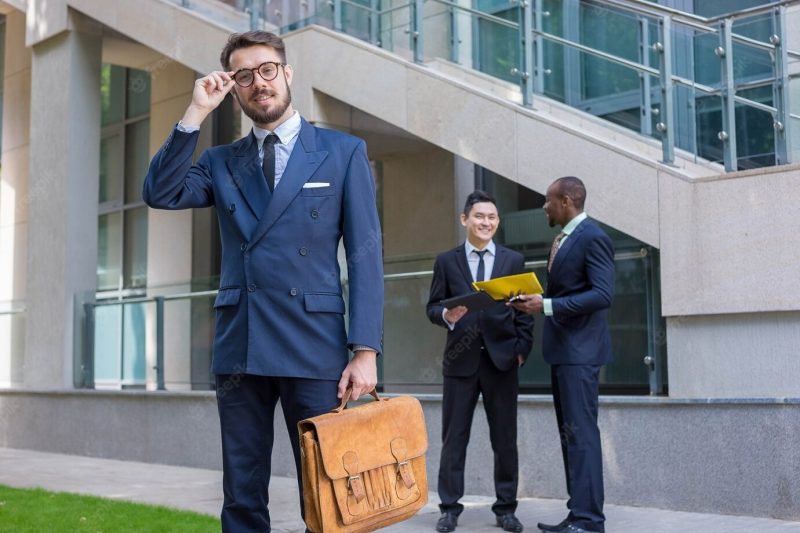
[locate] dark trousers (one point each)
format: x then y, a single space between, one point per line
246 406
575 396
499 390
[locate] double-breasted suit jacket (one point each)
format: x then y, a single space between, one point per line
280 309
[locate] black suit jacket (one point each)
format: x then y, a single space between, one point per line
504 332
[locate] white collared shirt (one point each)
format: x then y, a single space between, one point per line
472 261
287 133
473 258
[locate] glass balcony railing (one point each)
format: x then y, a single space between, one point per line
165 342
716 88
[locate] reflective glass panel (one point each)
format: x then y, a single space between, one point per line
109 251
135 267
112 95
111 169
138 97
137 139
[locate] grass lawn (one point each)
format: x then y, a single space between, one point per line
39 511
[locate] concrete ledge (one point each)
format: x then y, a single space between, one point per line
726 456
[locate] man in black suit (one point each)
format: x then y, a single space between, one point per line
576 343
482 355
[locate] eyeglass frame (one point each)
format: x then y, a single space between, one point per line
257 70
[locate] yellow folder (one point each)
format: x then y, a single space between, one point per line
508 286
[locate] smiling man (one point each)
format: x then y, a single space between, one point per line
285 195
483 352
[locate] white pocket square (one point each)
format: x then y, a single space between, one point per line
315 184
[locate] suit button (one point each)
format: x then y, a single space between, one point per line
251 287
303 251
244 246
293 292
314 213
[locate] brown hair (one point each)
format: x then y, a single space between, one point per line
248 39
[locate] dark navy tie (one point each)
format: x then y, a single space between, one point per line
268 164
481 267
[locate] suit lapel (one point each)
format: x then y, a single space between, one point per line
500 259
463 264
568 245
247 175
304 161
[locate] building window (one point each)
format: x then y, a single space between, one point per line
124 155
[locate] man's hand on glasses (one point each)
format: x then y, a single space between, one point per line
209 92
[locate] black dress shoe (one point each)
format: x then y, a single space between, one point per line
568 528
509 522
447 522
561 526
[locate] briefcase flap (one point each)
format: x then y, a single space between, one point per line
386 431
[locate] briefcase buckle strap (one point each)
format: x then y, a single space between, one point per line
354 481
404 472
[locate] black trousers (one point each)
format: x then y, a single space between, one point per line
499 390
575 396
246 406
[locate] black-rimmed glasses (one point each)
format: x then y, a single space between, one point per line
244 77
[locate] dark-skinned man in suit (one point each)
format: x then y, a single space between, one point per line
576 343
483 352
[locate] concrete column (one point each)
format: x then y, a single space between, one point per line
13 194
169 243
62 197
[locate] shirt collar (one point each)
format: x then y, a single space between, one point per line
286 131
490 247
572 224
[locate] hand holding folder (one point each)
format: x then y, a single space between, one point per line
496 291
507 287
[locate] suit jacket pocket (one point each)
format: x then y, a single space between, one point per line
227 296
324 302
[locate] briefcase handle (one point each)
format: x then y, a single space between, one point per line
346 398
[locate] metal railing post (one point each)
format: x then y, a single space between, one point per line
374 23
337 15
780 89
526 52
87 364
727 94
645 100
160 343
416 30
538 47
455 38
667 122
254 8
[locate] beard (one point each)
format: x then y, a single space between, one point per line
270 115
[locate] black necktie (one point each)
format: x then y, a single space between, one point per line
269 160
481 267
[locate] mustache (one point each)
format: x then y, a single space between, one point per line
263 92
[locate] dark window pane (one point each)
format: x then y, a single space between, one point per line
137 140
138 102
135 254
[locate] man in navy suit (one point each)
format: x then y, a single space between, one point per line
285 195
483 352
576 343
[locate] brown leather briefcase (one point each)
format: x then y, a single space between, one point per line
364 468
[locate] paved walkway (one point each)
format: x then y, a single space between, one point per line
201 490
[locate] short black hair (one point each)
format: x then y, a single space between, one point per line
574 188
247 39
476 197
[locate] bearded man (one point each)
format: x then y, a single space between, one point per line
285 195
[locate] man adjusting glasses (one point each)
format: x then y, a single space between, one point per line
245 77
